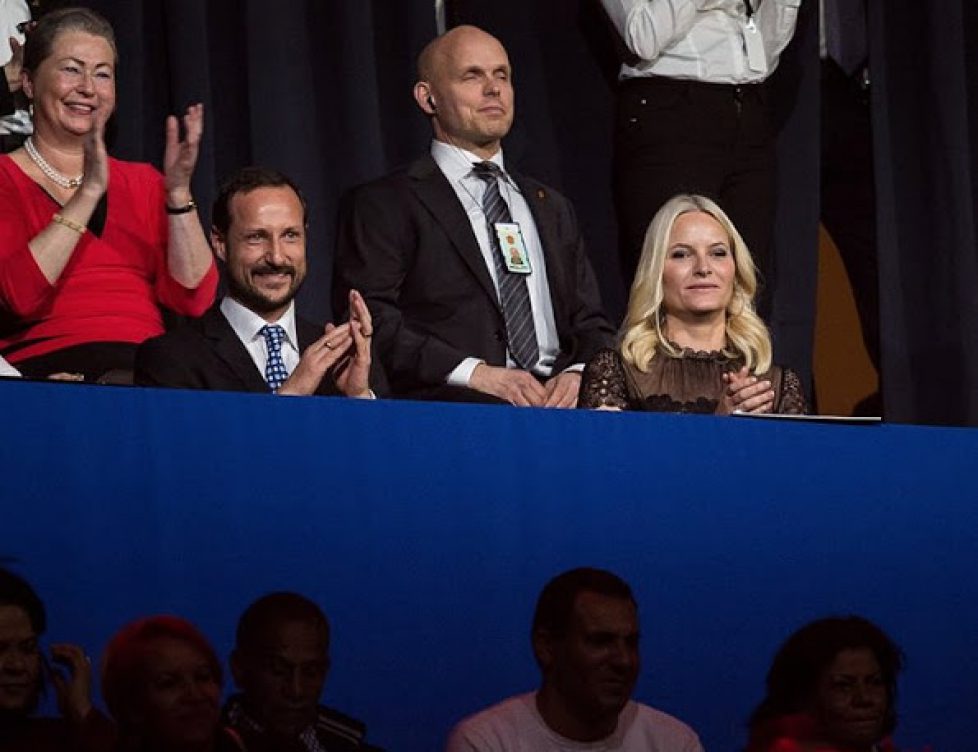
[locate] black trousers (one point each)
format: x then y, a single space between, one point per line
101 362
674 136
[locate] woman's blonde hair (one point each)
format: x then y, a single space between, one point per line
641 331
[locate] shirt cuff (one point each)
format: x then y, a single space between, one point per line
461 374
574 368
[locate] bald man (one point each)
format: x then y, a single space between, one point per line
476 277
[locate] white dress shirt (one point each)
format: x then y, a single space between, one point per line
456 164
6 369
247 325
701 40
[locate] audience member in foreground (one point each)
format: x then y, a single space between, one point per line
831 688
162 683
477 278
92 245
585 639
22 668
254 341
691 341
280 662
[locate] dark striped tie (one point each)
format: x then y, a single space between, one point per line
514 297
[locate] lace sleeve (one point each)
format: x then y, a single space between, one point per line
603 382
792 395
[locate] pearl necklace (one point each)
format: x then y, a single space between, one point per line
49 172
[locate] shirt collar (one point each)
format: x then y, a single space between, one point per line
456 163
247 324
238 717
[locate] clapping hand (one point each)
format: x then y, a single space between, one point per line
95 167
745 393
353 374
345 349
14 66
180 156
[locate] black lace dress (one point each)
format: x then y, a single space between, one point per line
692 383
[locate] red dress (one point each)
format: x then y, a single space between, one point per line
112 286
796 733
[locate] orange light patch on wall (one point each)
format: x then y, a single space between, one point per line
843 372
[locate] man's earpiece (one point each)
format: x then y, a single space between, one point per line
431 104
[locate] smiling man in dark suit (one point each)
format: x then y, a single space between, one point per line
477 278
254 341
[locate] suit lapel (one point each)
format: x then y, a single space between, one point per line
307 332
435 192
542 209
228 348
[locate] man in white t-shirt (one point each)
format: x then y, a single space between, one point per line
585 639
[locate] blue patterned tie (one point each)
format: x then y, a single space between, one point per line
275 373
514 296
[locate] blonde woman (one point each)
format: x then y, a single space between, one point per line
691 341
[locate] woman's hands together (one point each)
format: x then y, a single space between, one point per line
745 393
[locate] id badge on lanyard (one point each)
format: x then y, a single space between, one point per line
513 248
754 43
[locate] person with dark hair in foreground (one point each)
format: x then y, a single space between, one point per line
254 341
92 246
585 638
831 688
477 277
161 680
280 663
22 668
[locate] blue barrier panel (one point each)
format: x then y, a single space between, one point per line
426 532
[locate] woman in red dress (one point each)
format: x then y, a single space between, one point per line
90 246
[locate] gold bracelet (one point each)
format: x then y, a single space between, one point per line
80 229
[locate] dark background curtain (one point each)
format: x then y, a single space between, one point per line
925 87
322 89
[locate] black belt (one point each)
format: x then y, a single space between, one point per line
665 82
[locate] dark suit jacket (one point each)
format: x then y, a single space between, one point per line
205 353
406 243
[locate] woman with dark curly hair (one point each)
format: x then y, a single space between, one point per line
831 688
22 678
